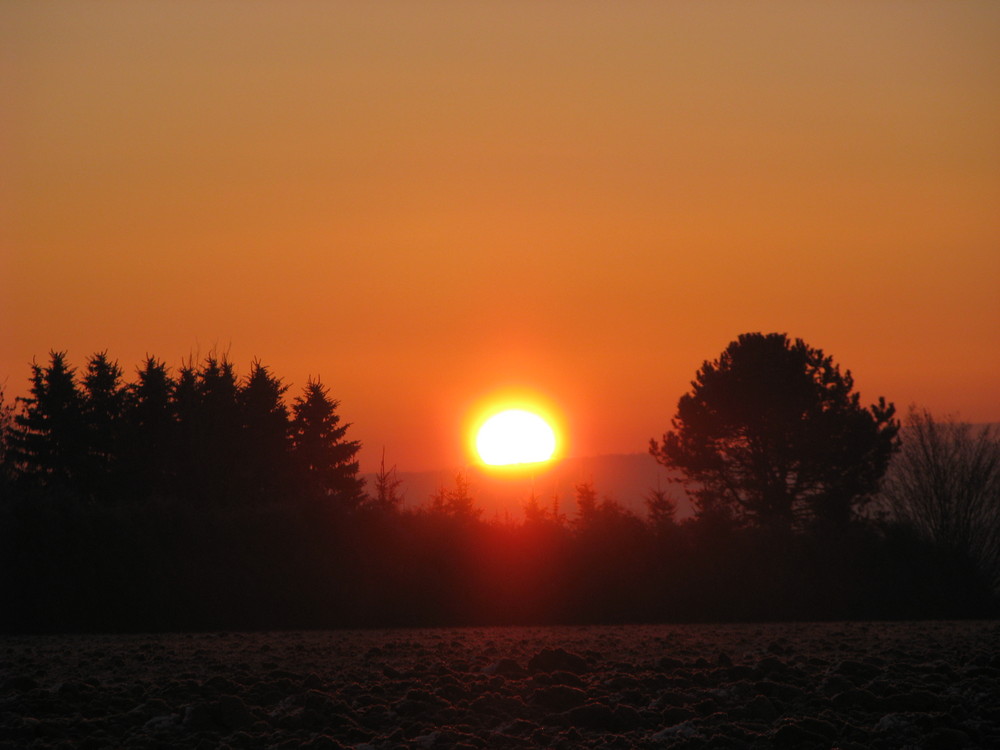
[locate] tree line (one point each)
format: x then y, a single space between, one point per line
202 500
205 435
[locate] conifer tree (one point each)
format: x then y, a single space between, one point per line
105 401
266 432
586 504
185 449
456 502
151 430
217 398
218 438
662 510
208 433
387 496
534 513
325 460
459 502
50 442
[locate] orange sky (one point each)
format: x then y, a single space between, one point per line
428 203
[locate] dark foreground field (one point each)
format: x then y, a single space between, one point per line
881 685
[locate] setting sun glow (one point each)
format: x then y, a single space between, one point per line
515 436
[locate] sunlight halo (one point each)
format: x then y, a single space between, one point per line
515 436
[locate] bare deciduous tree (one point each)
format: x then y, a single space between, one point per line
945 482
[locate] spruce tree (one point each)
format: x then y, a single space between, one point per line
266 438
151 430
326 462
105 401
50 441
388 498
218 435
185 403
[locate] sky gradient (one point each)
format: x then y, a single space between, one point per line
429 204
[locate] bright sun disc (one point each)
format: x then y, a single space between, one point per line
515 436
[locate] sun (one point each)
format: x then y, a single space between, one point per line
515 436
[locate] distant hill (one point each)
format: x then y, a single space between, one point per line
626 478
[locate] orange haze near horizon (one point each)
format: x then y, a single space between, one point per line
428 203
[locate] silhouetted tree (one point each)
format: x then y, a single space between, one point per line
533 511
611 557
215 433
186 403
266 433
7 468
661 510
599 517
945 483
586 504
325 460
456 502
218 404
387 496
50 441
105 401
150 448
773 433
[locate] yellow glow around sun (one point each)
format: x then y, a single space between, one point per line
515 436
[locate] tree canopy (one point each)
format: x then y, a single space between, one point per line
773 434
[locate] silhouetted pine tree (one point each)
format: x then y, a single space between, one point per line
325 462
662 511
219 436
105 401
611 547
586 505
456 502
387 497
150 449
534 513
186 443
50 441
773 433
266 434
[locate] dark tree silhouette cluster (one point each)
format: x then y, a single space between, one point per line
203 500
204 435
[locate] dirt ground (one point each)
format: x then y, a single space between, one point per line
830 685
